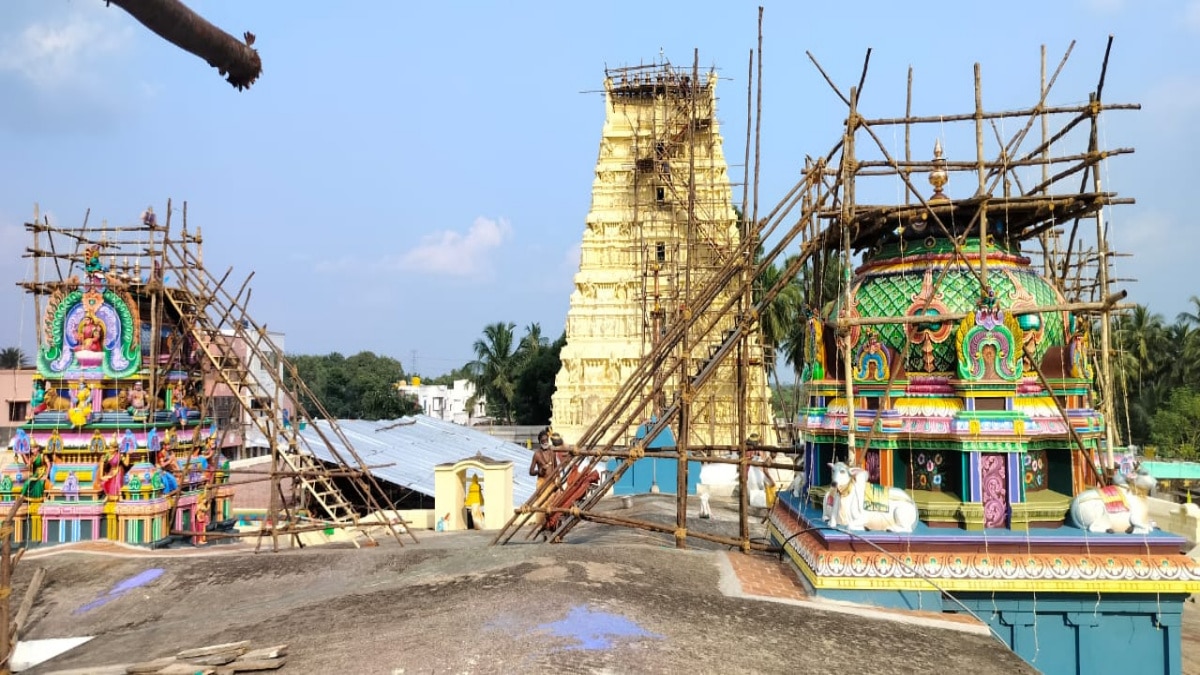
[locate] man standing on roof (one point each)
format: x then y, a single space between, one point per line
545 467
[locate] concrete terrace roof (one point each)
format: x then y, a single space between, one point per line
414 446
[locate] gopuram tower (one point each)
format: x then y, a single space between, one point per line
661 225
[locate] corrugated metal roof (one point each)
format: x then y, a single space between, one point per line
414 446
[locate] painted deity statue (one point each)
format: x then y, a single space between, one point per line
179 402
70 488
82 409
110 471
90 335
474 501
170 468
37 465
37 400
92 264
139 403
201 518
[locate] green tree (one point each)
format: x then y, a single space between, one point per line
12 358
362 386
533 343
1141 345
776 322
535 382
494 369
461 373
1175 428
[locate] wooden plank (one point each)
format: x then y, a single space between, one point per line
239 647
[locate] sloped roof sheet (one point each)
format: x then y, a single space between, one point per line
414 446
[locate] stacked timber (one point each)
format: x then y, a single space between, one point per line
222 659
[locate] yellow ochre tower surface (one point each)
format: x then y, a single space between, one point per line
660 168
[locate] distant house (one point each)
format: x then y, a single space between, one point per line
16 388
258 397
449 404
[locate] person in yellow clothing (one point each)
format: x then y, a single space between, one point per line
474 504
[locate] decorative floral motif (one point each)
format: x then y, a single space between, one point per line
1035 470
994 480
873 363
988 346
927 470
928 333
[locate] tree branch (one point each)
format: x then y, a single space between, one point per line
175 22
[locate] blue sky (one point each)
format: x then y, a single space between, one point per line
405 173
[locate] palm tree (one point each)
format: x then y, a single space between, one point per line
1141 339
533 342
778 318
494 368
1191 318
12 358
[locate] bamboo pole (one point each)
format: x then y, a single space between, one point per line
1109 407
992 166
907 133
656 527
35 585
983 221
845 341
37 300
685 406
967 117
744 226
8 563
1043 238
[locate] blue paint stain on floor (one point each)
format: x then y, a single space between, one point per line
594 629
123 587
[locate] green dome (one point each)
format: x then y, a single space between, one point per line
894 283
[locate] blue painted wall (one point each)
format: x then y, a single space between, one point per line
638 478
1069 633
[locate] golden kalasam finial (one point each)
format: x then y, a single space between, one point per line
938 177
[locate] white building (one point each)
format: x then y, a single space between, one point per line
258 395
446 403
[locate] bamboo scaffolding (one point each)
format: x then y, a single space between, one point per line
832 221
202 305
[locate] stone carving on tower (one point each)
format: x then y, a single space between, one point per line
637 262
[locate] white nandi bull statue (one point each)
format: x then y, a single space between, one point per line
1120 507
866 506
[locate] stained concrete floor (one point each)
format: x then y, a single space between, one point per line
610 600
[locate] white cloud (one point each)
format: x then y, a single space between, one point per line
64 67
56 53
453 253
